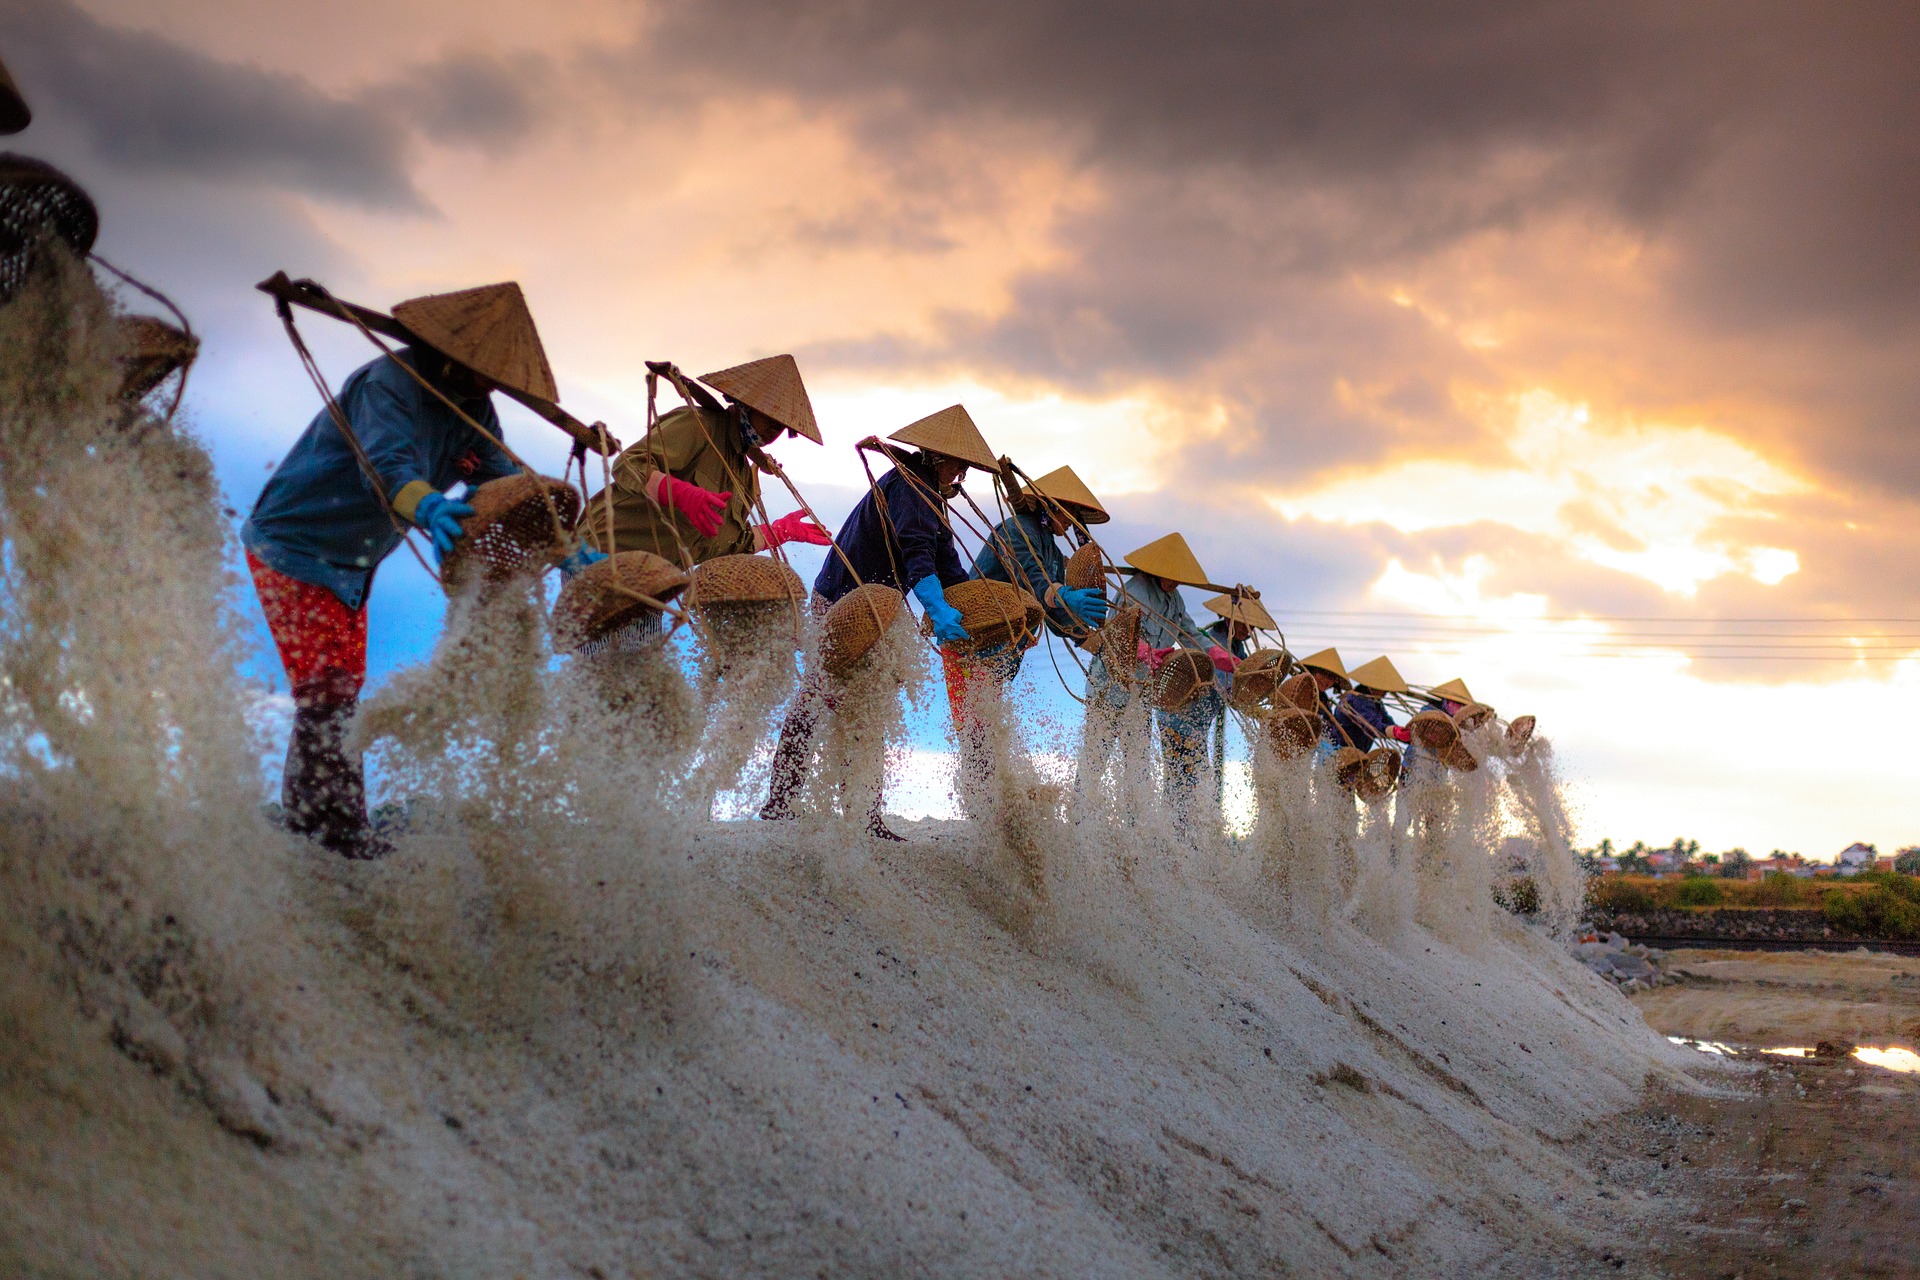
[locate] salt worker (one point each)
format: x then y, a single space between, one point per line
1024 550
899 535
326 520
687 491
1423 769
1362 716
1237 616
1329 674
1156 571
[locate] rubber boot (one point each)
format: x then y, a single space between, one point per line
323 789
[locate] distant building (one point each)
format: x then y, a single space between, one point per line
1856 857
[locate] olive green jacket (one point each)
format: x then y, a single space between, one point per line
700 446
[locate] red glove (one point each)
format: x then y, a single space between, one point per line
794 527
1155 657
1399 733
702 507
1223 661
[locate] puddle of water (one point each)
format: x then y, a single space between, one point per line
1890 1059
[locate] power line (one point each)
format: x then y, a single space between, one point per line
1281 610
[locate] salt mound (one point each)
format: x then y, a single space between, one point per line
574 1029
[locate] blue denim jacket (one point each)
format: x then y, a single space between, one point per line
318 520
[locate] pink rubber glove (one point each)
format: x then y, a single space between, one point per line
1223 661
1399 733
1155 657
702 507
794 527
1142 652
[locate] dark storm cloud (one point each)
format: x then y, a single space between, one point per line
149 105
467 98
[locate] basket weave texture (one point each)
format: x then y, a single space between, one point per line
1083 568
855 624
742 580
1520 731
592 606
150 350
510 532
38 201
996 614
1256 680
773 387
1292 732
1118 641
1459 759
1183 677
1301 691
1347 764
487 329
1379 774
1472 716
1434 730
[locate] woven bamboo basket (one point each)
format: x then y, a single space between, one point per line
1520 732
592 605
1117 642
1472 716
1459 759
727 582
1084 568
1434 729
1256 680
37 201
1292 732
1301 691
1379 774
1347 764
996 614
150 350
511 531
855 624
1181 680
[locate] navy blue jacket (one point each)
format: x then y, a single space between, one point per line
1036 564
912 535
1363 718
318 519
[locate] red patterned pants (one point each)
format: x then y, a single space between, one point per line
322 643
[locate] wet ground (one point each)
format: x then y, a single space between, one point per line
1811 1166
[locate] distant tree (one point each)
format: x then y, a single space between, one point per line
1683 850
1907 861
1710 859
1734 863
1635 859
1591 858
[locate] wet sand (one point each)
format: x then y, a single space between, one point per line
1811 1167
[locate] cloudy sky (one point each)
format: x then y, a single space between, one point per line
1566 347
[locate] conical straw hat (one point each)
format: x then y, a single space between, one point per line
952 434
1379 674
1328 660
1169 557
487 329
1247 609
14 113
1063 486
773 387
1454 690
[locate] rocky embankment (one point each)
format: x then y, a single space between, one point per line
1627 965
1730 924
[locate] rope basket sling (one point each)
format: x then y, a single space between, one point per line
1182 679
1347 764
38 202
1379 774
593 605
1434 729
151 350
854 625
1292 732
511 532
743 589
1083 568
1256 680
996 614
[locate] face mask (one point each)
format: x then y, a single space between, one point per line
744 417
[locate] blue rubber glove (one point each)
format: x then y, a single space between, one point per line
1089 604
944 617
440 516
580 559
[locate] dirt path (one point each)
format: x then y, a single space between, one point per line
1768 999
